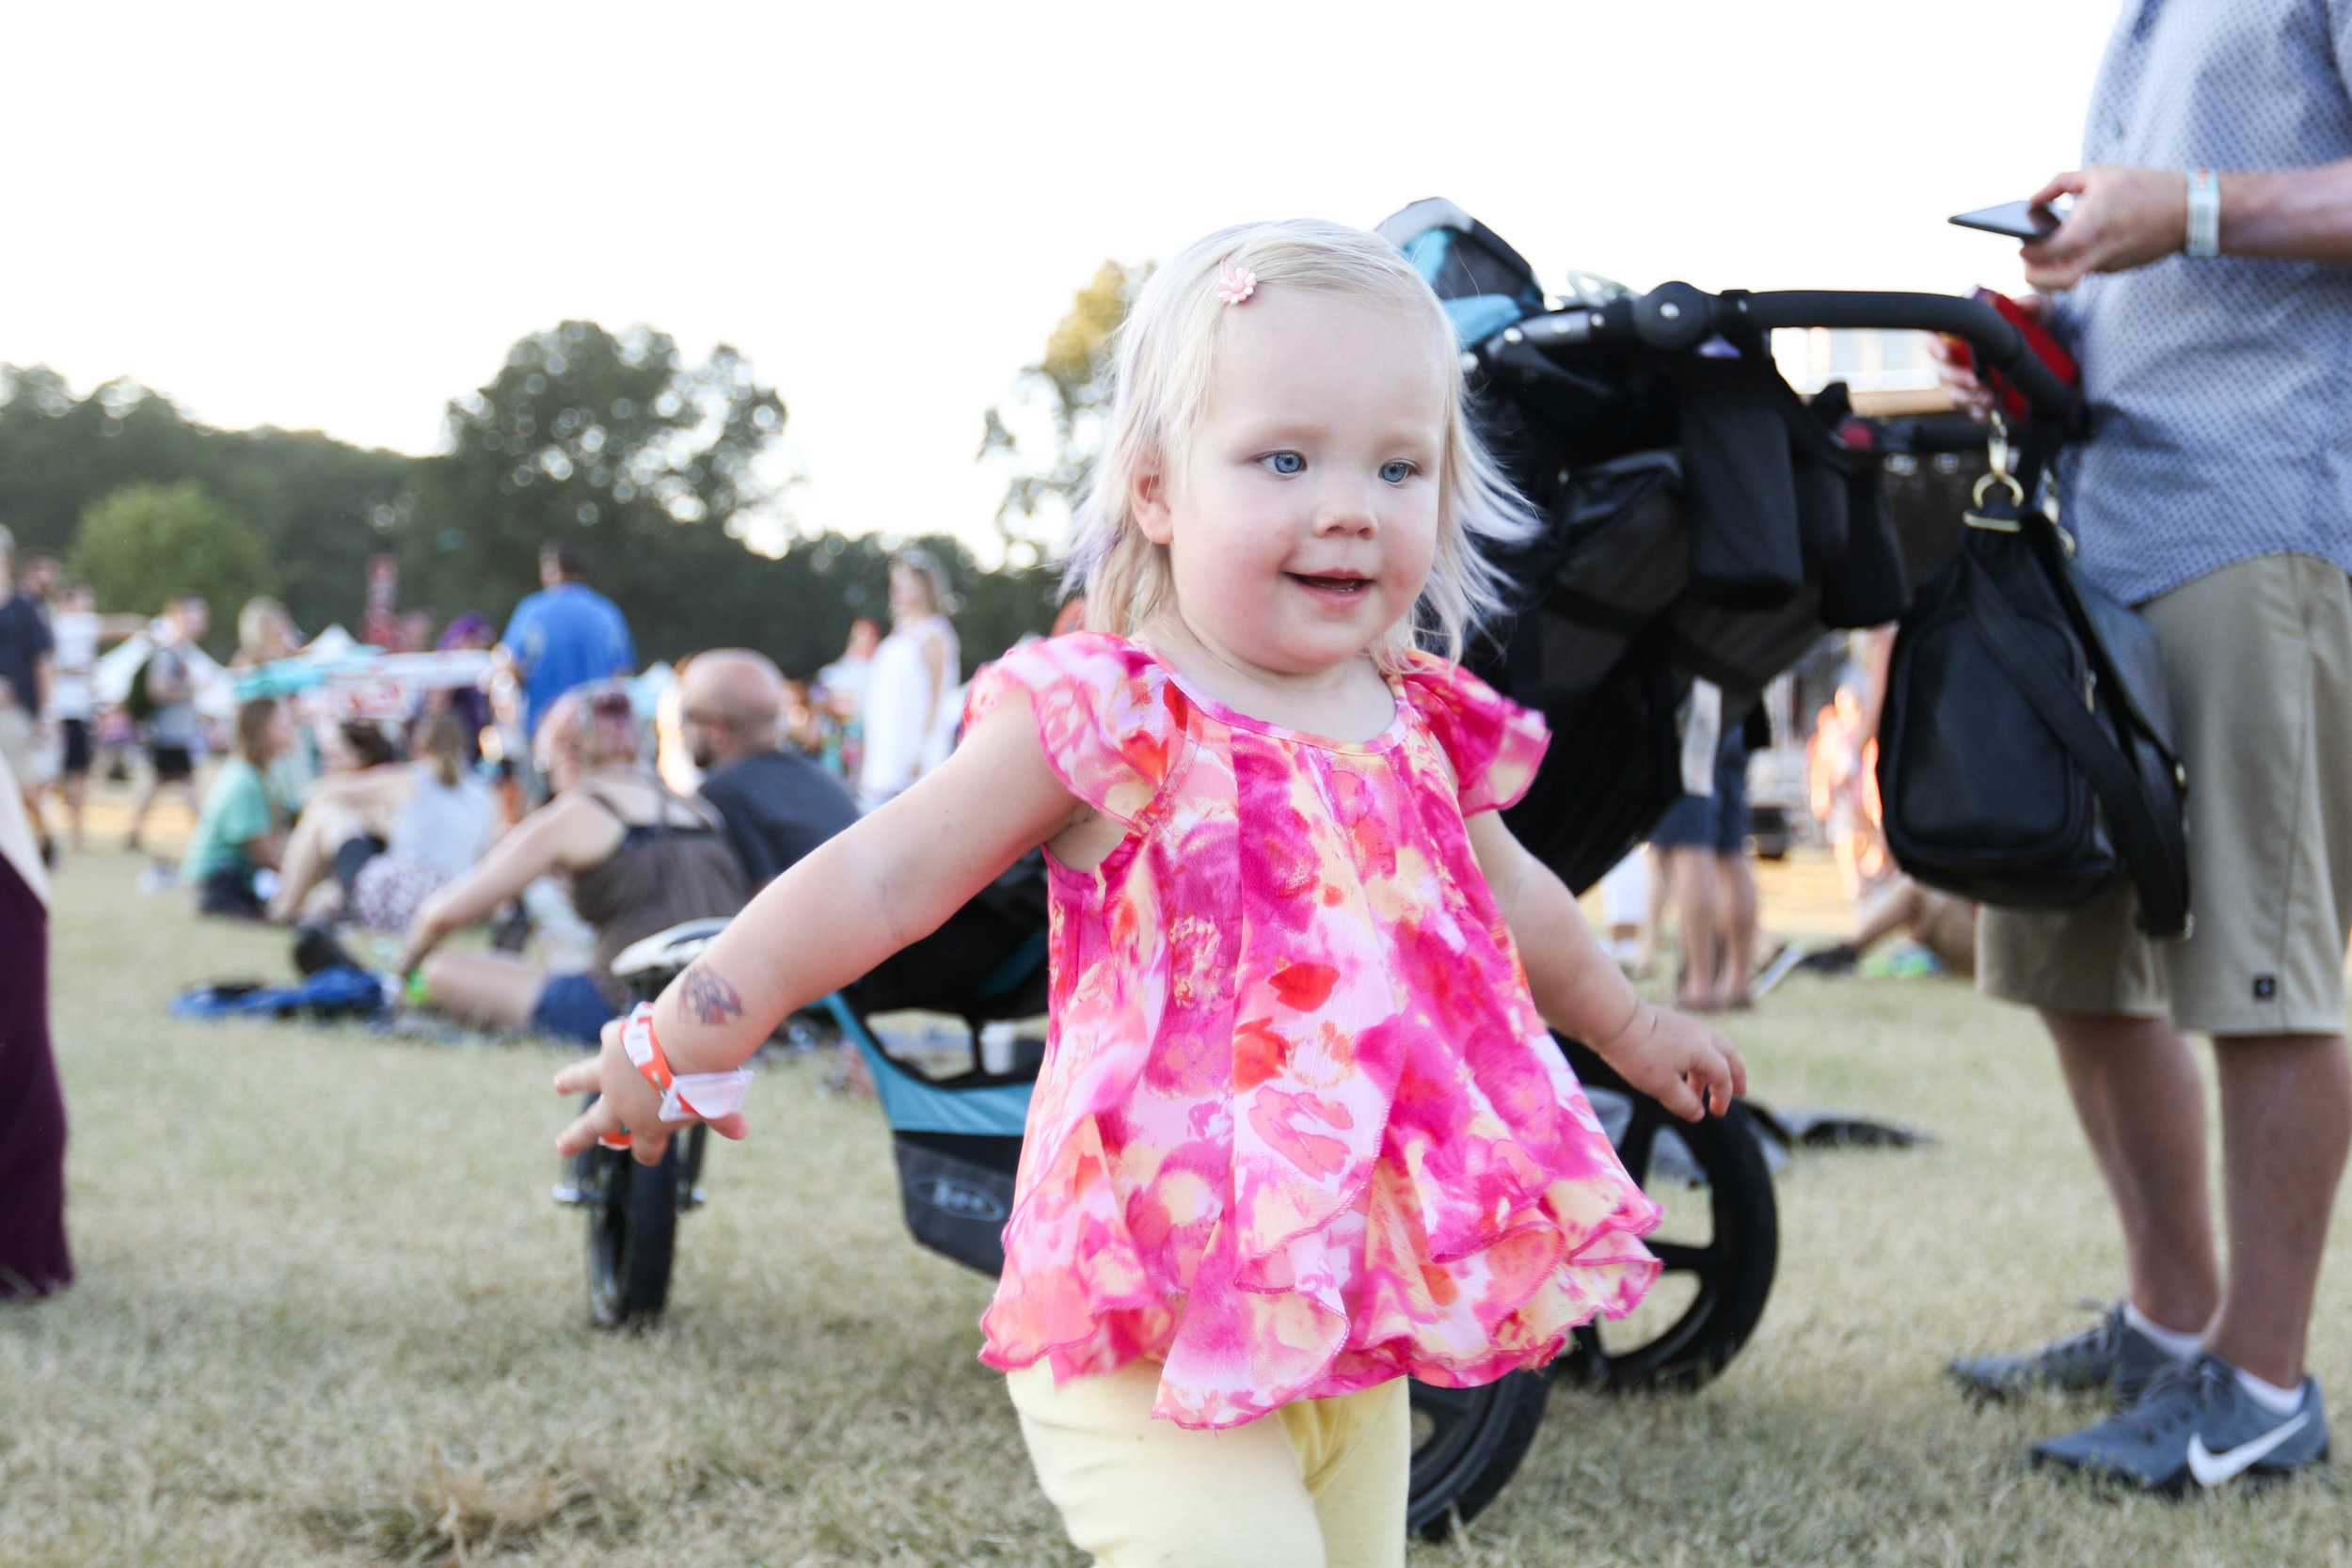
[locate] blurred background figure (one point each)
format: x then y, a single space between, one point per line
265 634
76 630
163 702
1944 925
1630 910
562 637
1838 762
802 728
910 719
241 831
1703 844
389 836
469 705
34 1257
27 664
777 803
840 699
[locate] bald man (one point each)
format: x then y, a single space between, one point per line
777 804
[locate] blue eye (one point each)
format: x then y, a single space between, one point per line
1398 471
1283 461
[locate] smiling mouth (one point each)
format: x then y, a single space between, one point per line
1332 585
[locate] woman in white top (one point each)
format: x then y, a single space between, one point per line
910 709
390 835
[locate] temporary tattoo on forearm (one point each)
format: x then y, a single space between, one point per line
707 998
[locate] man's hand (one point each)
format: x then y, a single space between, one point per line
1688 1066
2122 218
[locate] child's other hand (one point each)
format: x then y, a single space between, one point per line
626 1103
1689 1067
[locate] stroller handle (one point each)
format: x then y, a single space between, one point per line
1676 316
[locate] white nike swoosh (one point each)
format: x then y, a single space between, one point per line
2212 1469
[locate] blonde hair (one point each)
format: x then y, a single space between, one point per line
1164 352
261 615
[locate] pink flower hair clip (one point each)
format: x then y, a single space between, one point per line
1234 284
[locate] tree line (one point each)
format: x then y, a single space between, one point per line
648 465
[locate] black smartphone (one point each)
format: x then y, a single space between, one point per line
2019 220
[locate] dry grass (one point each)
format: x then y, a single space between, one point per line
328 1315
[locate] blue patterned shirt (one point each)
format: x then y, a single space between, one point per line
2220 389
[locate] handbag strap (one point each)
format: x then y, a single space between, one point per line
2046 535
2152 846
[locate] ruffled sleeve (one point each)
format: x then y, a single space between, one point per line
1111 725
1493 743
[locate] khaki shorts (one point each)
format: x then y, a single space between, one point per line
2258 665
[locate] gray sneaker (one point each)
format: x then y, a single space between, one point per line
2111 1357
2195 1427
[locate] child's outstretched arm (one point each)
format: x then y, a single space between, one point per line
868 892
1681 1063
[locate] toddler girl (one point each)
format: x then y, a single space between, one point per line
1300 1132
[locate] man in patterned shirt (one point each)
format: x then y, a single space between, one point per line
2203 280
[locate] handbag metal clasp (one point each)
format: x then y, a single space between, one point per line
1976 518
1997 453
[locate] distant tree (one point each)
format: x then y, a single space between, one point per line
321 506
59 453
614 445
1073 381
144 543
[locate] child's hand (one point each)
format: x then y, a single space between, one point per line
1687 1066
625 1104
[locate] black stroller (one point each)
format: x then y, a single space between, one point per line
1703 522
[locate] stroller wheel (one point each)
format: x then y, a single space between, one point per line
1467 1443
1719 1244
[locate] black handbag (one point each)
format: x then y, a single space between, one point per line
2025 751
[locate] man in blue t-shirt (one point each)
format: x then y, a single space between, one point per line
565 635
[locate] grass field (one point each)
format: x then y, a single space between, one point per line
328 1315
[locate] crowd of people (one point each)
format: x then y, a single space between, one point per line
369 837
1303 1132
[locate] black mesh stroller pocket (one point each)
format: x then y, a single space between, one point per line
957 1191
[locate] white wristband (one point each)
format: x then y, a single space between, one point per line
2205 213
685 1096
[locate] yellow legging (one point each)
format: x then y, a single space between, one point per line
1317 1485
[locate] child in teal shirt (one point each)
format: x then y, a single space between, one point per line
238 835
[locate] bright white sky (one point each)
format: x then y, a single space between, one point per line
339 216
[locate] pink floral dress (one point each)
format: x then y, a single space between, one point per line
1301 1129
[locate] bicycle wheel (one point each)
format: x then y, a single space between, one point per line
633 1234
1466 1444
1719 1244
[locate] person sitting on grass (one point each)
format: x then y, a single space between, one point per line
1942 923
389 836
239 835
640 860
